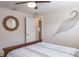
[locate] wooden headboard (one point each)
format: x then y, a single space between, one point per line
8 49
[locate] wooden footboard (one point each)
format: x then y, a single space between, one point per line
8 49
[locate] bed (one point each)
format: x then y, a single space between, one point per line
44 49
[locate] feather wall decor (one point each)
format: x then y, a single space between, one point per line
68 24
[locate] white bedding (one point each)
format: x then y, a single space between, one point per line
69 50
44 49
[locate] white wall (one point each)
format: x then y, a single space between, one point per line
53 19
10 38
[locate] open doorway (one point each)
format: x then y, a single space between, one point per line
38 28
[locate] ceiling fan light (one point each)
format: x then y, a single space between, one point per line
31 4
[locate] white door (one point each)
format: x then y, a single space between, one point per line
30 30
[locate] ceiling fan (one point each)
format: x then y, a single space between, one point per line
32 4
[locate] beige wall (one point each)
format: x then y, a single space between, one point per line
9 38
51 22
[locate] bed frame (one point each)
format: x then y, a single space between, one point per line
8 49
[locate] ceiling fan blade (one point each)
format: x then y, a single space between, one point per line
21 2
42 1
33 1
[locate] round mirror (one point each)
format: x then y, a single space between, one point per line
10 23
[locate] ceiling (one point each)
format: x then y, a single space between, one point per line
23 7
42 7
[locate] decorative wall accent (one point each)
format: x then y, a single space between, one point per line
68 24
10 23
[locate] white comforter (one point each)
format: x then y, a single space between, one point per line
44 49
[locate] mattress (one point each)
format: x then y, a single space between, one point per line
44 49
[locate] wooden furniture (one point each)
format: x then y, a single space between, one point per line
8 49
